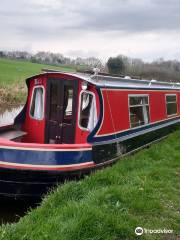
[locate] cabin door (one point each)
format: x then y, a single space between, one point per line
61 110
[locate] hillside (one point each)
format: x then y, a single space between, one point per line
12 78
141 190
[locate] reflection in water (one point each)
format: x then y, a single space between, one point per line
7 115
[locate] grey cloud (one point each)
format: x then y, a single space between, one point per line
49 21
102 16
153 16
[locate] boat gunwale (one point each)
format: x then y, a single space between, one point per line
4 143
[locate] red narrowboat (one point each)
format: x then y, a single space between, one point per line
73 123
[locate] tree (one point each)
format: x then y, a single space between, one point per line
115 65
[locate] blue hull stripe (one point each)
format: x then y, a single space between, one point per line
44 158
135 132
121 136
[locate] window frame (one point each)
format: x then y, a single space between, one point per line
148 104
171 94
94 99
38 86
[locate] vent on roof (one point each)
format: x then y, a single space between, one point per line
96 71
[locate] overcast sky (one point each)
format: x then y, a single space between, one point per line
146 29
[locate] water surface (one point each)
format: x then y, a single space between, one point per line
8 113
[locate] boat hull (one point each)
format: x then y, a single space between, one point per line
31 181
33 184
29 170
104 152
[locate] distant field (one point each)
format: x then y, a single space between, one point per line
12 78
13 71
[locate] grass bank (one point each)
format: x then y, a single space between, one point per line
12 78
141 190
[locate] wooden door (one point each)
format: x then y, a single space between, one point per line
61 111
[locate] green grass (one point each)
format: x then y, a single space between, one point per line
140 190
13 71
12 78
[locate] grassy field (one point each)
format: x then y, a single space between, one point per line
12 78
140 190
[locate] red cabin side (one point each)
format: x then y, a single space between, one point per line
116 117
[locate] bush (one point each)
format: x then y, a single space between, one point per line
115 65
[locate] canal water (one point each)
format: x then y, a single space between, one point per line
7 114
11 211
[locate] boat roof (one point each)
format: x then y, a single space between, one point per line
107 81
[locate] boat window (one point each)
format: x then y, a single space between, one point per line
171 104
139 110
88 112
68 99
37 103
